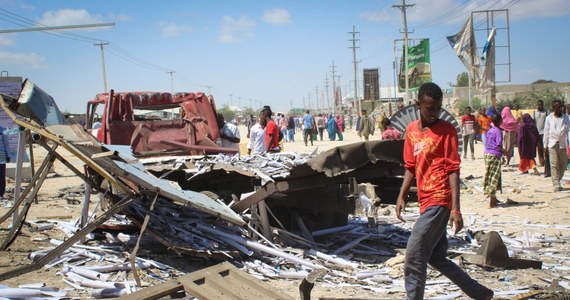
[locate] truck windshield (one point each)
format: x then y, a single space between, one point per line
157 114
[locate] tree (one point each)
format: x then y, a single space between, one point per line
462 80
228 114
543 81
527 100
296 111
463 103
250 111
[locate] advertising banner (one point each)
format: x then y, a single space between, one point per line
419 66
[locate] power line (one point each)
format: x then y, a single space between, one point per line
112 49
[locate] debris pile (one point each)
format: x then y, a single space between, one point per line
354 255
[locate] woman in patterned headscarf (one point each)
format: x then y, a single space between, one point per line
527 138
509 127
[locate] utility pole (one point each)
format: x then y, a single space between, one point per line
379 87
339 87
103 62
395 81
327 89
209 89
355 63
171 81
334 89
317 94
403 8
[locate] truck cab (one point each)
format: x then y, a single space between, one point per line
156 123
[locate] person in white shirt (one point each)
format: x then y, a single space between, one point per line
539 117
97 124
256 144
555 142
229 133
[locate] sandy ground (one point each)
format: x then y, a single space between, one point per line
536 205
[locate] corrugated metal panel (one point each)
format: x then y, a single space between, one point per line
166 189
36 104
402 118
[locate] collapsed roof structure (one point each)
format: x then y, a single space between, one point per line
142 191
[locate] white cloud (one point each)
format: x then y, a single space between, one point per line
531 72
236 30
277 16
545 8
23 60
120 17
6 40
172 29
68 17
456 12
379 16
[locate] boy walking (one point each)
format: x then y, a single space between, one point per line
431 156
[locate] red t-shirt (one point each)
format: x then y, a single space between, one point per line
272 128
468 124
432 155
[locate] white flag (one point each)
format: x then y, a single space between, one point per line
463 44
488 57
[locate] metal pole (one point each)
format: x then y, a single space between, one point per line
395 77
334 91
470 96
103 63
406 51
403 8
56 27
23 137
355 68
171 81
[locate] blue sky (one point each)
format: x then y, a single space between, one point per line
269 52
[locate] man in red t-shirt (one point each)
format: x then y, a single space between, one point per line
271 130
431 157
468 131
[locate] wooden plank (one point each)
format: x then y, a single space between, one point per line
281 186
222 281
104 154
155 292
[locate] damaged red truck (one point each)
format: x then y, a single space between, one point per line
155 123
320 192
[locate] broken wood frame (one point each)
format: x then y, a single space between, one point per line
222 281
125 176
36 183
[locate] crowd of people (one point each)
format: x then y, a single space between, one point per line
268 131
541 140
432 160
